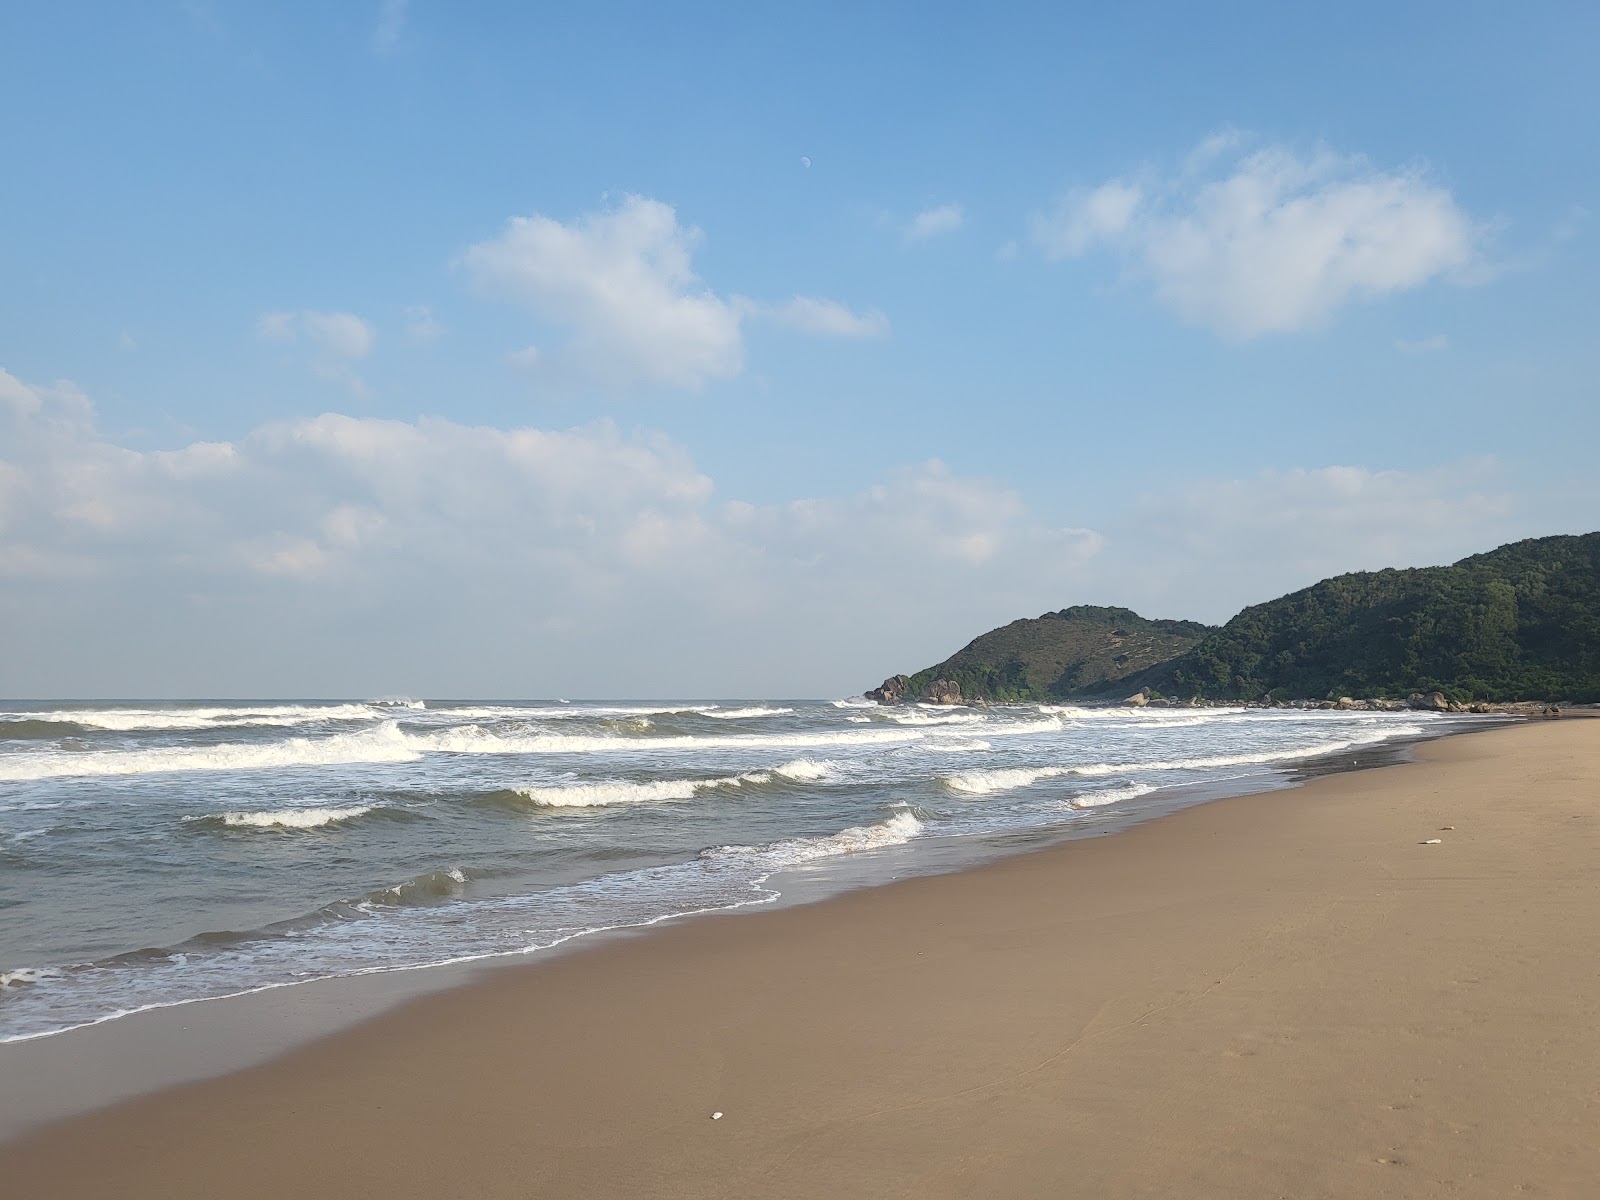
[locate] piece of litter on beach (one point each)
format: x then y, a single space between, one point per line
716 1116
1447 827
1432 842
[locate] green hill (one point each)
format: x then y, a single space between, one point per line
1061 654
1518 623
1521 622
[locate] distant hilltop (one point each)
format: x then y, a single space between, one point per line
1518 623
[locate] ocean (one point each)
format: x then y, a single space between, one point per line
158 853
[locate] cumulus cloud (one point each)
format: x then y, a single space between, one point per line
622 283
337 554
347 544
931 222
1268 241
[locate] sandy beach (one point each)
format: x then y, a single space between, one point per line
1287 994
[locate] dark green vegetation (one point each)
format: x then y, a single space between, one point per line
1518 623
1061 654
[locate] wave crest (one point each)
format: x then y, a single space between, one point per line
641 791
283 818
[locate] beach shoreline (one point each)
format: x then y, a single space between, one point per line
84 1068
1089 1017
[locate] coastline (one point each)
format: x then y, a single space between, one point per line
119 1058
1282 990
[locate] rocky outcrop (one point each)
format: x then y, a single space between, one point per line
941 691
892 691
1432 702
1138 700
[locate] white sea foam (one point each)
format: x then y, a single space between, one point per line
983 783
1249 758
896 831
23 976
1111 796
739 714
805 769
625 791
637 791
287 818
472 739
958 745
910 716
387 743
1116 713
382 744
127 720
1007 779
1022 728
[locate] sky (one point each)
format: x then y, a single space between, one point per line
724 350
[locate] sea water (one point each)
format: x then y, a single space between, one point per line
160 853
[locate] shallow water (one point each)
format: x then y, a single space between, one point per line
156 853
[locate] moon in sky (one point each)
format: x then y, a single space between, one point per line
804 161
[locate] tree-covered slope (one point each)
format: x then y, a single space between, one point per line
1061 654
1520 622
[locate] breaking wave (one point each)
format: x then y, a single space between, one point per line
472 739
896 831
384 744
283 818
1111 795
983 783
1008 779
628 791
911 716
127 720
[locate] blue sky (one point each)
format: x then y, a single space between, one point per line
718 349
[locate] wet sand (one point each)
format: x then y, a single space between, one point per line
1284 994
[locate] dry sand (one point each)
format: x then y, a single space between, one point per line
1275 995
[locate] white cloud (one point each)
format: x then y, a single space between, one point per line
1436 344
526 359
622 281
1083 218
1269 241
828 318
336 539
365 555
127 342
391 26
946 218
